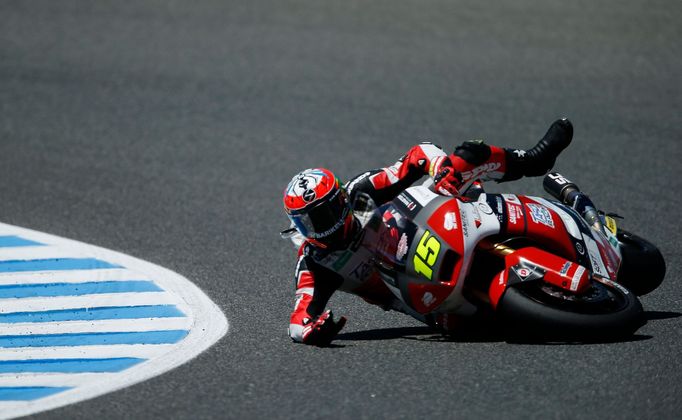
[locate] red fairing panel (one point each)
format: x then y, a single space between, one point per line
425 297
498 286
559 272
516 217
544 225
445 222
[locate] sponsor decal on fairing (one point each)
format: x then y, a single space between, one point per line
450 221
428 299
579 247
407 202
500 205
423 196
402 248
465 222
477 217
569 223
565 268
575 281
514 213
511 198
485 208
595 258
540 214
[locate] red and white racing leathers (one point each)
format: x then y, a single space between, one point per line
319 273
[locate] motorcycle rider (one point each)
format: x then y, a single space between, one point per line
320 208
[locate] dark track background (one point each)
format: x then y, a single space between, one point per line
168 129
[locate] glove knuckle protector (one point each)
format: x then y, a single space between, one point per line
474 152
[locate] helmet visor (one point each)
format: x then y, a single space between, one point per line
323 219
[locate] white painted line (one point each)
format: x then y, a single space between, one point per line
109 325
54 379
206 322
72 276
144 351
38 253
86 301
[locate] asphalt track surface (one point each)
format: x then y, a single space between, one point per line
167 130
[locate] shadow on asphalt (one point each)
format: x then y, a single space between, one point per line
425 333
486 333
652 315
386 333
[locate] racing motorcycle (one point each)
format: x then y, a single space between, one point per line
543 268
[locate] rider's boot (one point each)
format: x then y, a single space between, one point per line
539 159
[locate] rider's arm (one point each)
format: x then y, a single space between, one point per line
385 184
309 322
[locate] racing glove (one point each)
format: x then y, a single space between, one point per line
446 178
322 330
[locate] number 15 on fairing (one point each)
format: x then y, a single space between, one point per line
426 254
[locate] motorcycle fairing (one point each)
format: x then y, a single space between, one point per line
593 248
458 225
413 274
534 264
440 249
559 228
477 220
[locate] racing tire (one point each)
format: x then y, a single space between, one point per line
642 268
539 311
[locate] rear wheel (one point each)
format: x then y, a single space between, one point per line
643 267
541 311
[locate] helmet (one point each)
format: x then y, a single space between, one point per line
318 205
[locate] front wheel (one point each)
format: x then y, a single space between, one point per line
541 311
643 267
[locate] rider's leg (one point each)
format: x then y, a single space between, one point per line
539 159
475 159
